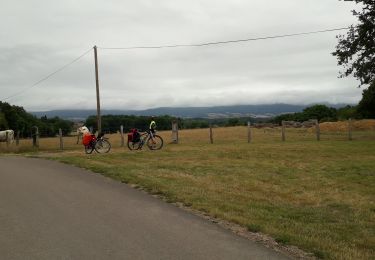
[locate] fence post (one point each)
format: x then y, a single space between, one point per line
317 130
36 137
174 132
350 128
122 135
248 132
79 134
7 139
211 137
283 131
18 138
61 139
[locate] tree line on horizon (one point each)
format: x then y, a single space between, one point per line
112 123
323 113
16 118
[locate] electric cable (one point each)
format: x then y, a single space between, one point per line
223 42
172 46
48 76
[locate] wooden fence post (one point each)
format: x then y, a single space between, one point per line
7 139
36 137
283 131
174 132
61 139
350 128
122 135
211 137
248 132
317 130
79 135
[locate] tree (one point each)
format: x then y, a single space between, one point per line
366 106
320 112
3 122
356 51
344 113
16 118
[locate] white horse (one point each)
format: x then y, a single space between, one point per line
7 136
81 131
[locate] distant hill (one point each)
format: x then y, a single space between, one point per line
187 112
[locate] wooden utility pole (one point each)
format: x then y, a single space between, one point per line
98 117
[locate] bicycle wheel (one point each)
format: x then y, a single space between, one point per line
156 143
102 146
134 145
89 149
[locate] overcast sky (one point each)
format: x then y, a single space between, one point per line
41 36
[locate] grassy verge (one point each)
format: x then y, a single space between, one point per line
319 196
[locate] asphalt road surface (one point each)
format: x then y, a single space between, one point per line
50 210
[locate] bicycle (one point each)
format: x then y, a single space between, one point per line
155 143
100 144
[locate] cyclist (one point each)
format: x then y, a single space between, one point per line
152 128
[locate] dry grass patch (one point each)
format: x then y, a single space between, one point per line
316 195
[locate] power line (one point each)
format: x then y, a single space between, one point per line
171 46
222 42
48 76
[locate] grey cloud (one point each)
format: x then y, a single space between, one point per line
40 36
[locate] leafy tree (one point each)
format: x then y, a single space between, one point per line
55 123
320 112
366 106
347 112
356 50
16 118
287 117
356 53
233 122
3 121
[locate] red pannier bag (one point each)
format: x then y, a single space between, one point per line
87 139
133 136
130 137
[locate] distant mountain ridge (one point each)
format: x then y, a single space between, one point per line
187 112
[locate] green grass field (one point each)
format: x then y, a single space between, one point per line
319 196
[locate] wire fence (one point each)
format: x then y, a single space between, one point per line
351 130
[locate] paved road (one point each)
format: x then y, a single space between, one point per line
49 210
